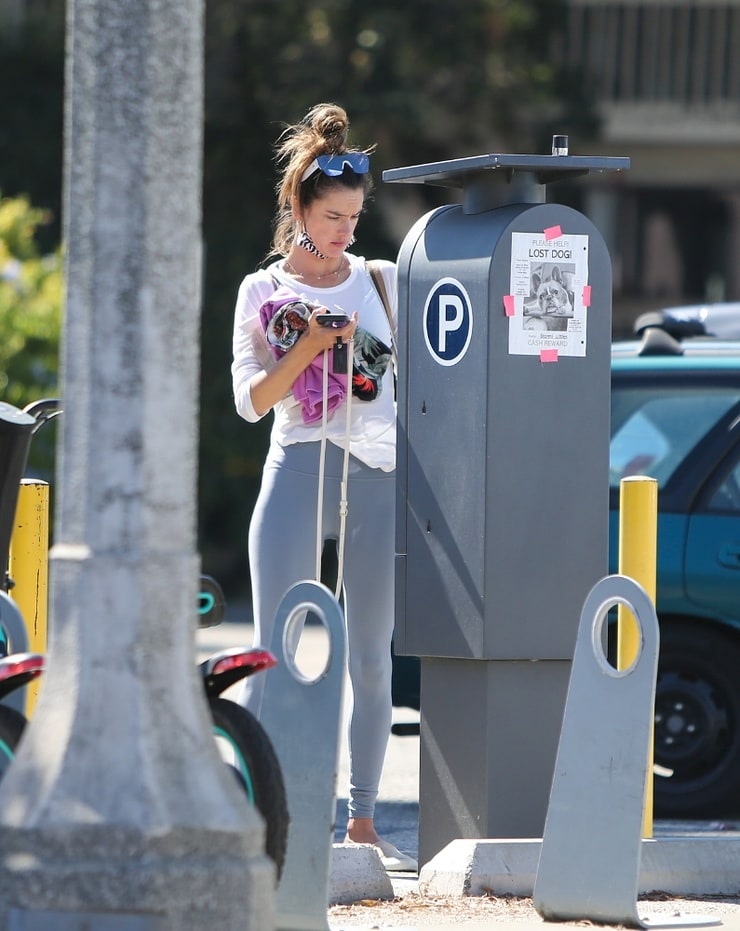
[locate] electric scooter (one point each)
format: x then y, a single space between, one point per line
242 741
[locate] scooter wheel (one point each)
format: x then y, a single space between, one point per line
12 725
248 751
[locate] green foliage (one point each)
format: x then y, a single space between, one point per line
30 305
30 319
433 78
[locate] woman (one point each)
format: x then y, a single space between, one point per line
281 350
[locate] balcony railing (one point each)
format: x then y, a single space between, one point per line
684 54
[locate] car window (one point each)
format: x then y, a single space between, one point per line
655 427
726 496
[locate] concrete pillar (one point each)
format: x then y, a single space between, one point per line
118 811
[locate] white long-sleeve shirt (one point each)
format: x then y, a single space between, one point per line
373 423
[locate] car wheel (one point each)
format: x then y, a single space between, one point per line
697 723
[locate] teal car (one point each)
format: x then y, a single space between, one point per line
676 418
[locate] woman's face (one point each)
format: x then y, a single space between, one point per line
330 220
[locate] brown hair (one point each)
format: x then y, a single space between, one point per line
322 131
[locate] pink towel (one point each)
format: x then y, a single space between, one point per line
284 324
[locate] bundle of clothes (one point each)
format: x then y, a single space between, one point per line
284 317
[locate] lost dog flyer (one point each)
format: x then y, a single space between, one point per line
548 276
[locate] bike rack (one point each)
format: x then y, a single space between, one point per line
303 717
589 865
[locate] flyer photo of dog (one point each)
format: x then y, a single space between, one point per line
550 302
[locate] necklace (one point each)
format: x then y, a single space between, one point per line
292 270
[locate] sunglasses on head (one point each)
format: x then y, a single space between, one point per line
334 165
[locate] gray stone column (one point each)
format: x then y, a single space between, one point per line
118 807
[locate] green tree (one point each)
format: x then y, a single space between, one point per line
30 305
425 79
30 316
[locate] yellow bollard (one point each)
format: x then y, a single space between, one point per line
638 537
29 569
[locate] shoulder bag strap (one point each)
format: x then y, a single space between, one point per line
377 278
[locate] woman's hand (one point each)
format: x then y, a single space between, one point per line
268 388
326 334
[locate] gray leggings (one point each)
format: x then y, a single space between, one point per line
282 551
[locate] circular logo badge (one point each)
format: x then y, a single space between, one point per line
448 321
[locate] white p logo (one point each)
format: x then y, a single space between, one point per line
450 318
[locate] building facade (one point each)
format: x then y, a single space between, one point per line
666 78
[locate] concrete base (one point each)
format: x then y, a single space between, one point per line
680 865
357 873
180 881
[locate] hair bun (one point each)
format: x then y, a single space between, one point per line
330 122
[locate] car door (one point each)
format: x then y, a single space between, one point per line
676 429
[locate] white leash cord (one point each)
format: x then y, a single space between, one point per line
343 500
322 468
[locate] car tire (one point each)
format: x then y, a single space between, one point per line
697 722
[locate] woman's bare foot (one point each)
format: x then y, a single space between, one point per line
362 831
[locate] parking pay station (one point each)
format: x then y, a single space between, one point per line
503 479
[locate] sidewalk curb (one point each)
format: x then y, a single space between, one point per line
691 864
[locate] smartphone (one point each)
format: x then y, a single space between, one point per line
335 320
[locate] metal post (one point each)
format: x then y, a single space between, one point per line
638 533
29 569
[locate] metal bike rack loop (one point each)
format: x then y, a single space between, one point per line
302 717
589 864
